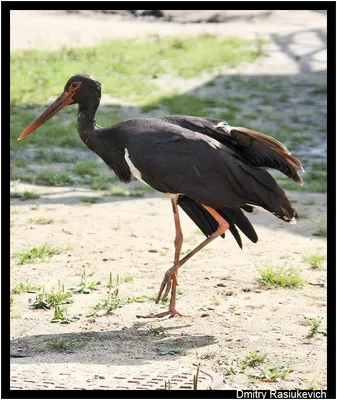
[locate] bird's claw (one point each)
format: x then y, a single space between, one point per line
166 283
172 312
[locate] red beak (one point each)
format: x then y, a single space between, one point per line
62 101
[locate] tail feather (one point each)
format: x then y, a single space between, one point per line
208 225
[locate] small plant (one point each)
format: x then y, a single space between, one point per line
315 260
112 301
26 287
85 287
61 316
86 168
321 232
167 385
196 378
41 220
47 300
64 344
27 195
118 191
35 207
253 359
272 374
308 202
162 351
89 200
11 301
314 327
30 195
38 254
270 276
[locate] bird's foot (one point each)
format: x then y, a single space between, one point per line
170 275
172 312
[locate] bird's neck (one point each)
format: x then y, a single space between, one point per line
86 122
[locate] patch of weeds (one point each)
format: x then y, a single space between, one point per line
321 232
41 220
50 177
61 316
270 276
35 207
19 162
89 200
86 168
64 344
315 259
52 156
103 182
85 287
272 374
37 254
27 195
198 232
301 215
118 191
26 287
320 90
135 192
164 351
314 326
47 300
111 302
11 301
253 359
13 211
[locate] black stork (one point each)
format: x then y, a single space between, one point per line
209 168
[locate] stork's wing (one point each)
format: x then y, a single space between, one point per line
253 148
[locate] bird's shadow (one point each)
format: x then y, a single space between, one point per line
140 343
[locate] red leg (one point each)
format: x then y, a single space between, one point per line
178 242
170 273
170 279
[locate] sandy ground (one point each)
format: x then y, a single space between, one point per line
226 313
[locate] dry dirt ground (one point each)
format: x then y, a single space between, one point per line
227 314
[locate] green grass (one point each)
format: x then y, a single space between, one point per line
103 181
64 344
35 207
50 177
279 277
47 300
314 326
321 232
89 167
118 191
308 202
61 316
84 286
128 74
253 359
89 200
25 287
41 220
37 254
315 260
273 373
26 195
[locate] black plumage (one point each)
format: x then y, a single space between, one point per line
209 169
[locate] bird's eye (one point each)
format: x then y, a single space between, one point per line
74 85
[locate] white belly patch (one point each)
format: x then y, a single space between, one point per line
135 172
